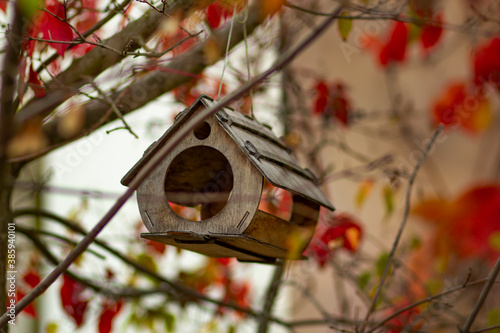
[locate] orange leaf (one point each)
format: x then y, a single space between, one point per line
271 7
457 107
364 190
466 224
432 210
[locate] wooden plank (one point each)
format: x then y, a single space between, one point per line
241 247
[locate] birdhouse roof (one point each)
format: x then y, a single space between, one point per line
268 153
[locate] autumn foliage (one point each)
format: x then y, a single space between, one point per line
467 226
459 227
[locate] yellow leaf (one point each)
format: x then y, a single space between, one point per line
147 261
494 240
51 328
388 199
364 190
482 117
293 140
296 242
344 26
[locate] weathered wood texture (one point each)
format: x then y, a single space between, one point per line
221 166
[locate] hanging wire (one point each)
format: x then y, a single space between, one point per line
244 22
227 51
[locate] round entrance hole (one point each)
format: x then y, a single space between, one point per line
198 183
202 131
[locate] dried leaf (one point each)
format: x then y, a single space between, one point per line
364 190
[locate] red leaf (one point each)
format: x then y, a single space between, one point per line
186 93
402 322
109 312
224 261
331 100
341 109
35 83
156 247
465 224
54 29
30 309
431 33
457 107
32 278
395 48
487 64
81 49
445 109
343 232
3 6
73 301
215 13
29 46
88 17
321 97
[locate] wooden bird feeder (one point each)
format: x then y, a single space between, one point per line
220 167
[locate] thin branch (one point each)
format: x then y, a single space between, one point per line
486 329
427 300
401 227
271 294
173 289
99 59
158 158
10 64
114 107
35 186
28 232
482 297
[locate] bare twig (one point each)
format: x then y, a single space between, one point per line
171 288
114 107
29 232
155 160
401 227
427 300
486 329
482 297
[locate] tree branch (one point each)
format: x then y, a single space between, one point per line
482 297
8 88
401 227
160 156
142 90
271 294
99 59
